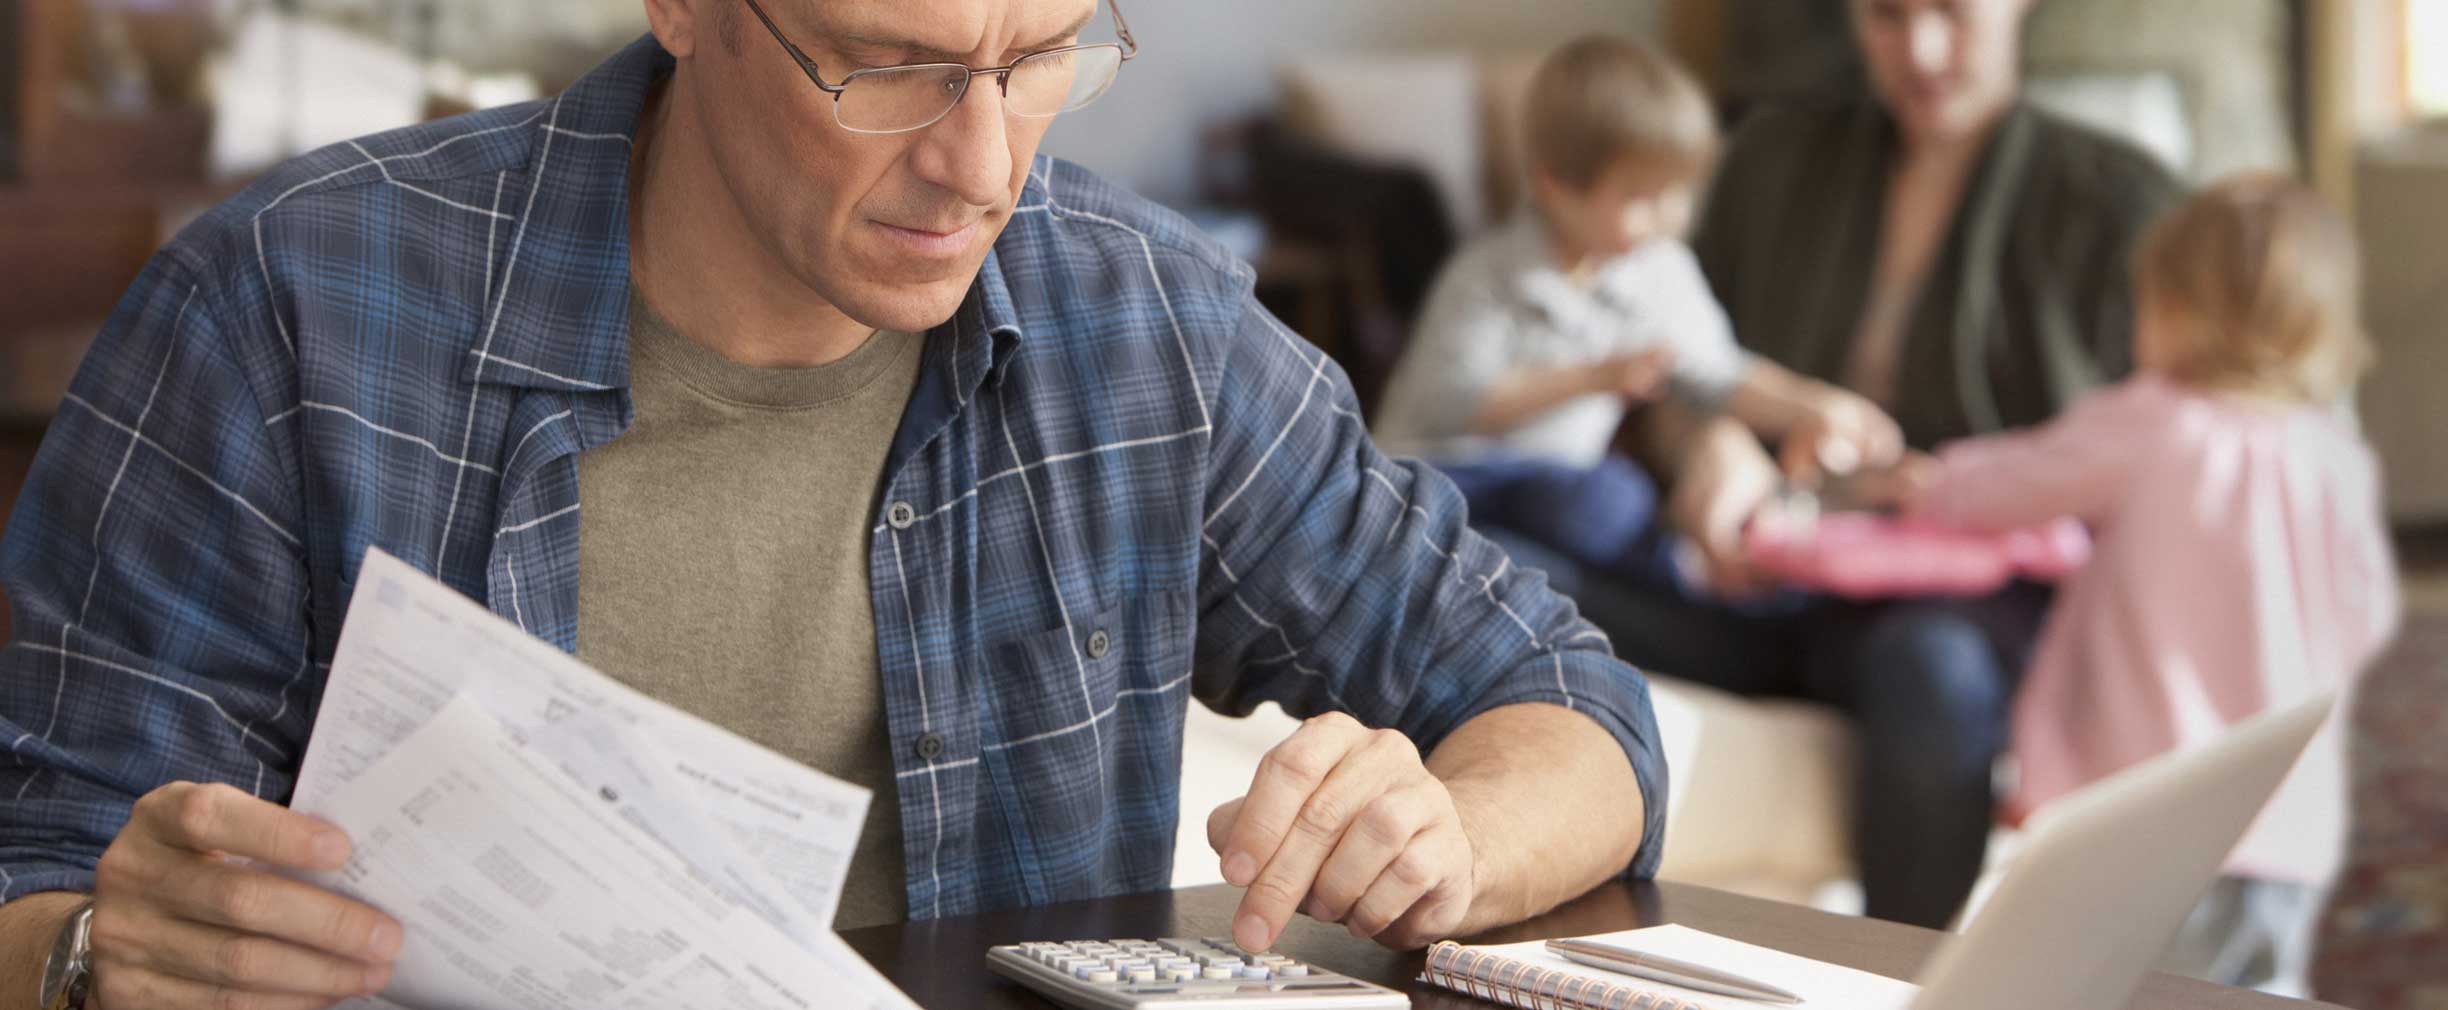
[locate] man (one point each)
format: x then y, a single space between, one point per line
1960 260
1098 480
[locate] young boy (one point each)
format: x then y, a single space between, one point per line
1539 334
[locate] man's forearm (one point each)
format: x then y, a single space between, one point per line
28 925
1549 801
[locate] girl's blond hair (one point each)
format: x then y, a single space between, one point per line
2264 279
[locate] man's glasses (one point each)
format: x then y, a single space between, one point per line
913 96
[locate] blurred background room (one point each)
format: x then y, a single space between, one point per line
1346 148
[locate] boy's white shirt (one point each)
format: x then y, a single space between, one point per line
1503 304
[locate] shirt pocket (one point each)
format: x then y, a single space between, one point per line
1082 748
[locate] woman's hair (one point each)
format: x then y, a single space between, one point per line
1601 100
2263 280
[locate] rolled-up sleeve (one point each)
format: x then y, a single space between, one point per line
154 571
1335 578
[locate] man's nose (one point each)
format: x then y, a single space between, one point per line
968 151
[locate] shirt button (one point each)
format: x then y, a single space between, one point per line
1099 644
901 515
930 746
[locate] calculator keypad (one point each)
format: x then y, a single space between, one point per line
1211 971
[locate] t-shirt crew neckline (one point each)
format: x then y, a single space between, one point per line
716 377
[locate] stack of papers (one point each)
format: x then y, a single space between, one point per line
549 837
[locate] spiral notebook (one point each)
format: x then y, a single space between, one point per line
1526 975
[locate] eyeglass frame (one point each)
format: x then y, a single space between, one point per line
1128 45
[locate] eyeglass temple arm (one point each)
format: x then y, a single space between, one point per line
806 65
1130 46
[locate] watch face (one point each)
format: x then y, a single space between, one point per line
63 981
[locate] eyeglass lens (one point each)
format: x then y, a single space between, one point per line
906 98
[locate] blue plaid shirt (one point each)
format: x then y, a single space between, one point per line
1119 485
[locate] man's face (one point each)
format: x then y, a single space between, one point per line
1943 67
889 228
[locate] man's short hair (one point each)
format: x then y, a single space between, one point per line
1603 100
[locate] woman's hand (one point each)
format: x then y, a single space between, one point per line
1897 487
1842 432
1725 479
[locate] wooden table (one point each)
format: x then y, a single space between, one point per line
941 963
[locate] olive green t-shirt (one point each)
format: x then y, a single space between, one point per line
722 560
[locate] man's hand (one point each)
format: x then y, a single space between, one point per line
1344 824
181 918
1844 432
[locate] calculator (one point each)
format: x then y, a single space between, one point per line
1175 973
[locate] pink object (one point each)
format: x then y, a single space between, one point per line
2241 563
1866 556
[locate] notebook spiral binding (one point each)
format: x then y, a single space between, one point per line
1528 986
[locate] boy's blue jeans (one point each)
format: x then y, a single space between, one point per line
1604 518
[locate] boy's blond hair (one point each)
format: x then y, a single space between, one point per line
1603 100
2263 280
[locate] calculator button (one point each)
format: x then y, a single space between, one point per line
1143 976
1219 971
1293 971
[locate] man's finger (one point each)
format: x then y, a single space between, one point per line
1285 778
1220 822
1403 883
115 987
253 901
219 818
1317 828
1375 839
255 963
1433 917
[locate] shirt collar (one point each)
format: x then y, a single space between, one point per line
562 319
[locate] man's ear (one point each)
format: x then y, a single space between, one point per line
679 25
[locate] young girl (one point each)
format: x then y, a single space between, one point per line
2240 560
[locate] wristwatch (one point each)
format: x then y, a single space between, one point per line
68 972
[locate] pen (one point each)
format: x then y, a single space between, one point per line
1667 969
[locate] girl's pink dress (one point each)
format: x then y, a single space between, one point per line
2239 562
